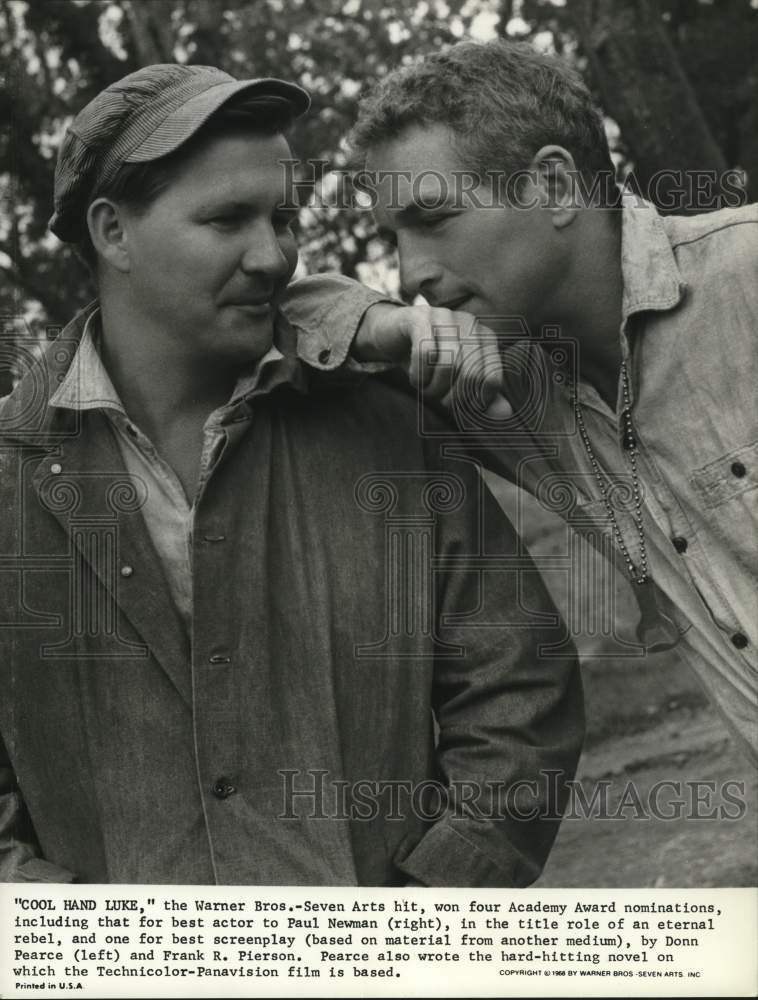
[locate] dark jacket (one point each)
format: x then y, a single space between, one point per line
343 597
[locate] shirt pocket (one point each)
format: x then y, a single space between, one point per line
727 494
727 478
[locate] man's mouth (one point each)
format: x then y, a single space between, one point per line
254 305
455 304
258 308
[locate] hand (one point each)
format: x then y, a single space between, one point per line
446 354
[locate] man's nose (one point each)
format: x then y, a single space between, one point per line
266 253
420 274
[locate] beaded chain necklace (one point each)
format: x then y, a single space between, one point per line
656 631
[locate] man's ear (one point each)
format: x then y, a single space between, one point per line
108 235
554 172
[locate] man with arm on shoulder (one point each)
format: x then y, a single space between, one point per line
235 597
632 364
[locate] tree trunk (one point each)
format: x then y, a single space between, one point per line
150 26
644 88
211 42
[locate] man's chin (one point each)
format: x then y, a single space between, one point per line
254 320
247 342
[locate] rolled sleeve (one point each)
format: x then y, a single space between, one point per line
326 311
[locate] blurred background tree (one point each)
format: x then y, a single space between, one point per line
678 82
677 78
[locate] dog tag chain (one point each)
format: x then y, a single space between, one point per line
655 631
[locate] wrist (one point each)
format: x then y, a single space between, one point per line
378 337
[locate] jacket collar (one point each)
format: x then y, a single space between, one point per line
25 415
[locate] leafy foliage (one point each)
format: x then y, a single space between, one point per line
60 53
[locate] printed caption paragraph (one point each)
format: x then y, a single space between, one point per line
108 941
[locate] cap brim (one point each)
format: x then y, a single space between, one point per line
181 124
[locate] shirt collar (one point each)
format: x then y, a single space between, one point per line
651 278
87 386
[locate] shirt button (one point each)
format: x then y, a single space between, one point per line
738 469
127 570
323 356
680 544
56 468
739 640
223 788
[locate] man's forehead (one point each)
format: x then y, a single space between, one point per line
417 147
228 163
419 169
416 195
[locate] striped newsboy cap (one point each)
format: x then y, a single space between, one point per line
142 117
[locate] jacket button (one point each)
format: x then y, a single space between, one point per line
680 544
323 356
56 468
223 788
738 469
219 658
739 640
127 570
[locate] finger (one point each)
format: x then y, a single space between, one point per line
448 331
433 358
499 409
479 377
476 392
427 368
440 363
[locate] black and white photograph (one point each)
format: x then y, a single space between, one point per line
379 444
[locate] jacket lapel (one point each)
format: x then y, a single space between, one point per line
83 484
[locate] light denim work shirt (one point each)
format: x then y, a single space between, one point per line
689 335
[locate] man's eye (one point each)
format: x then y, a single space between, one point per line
224 221
432 221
